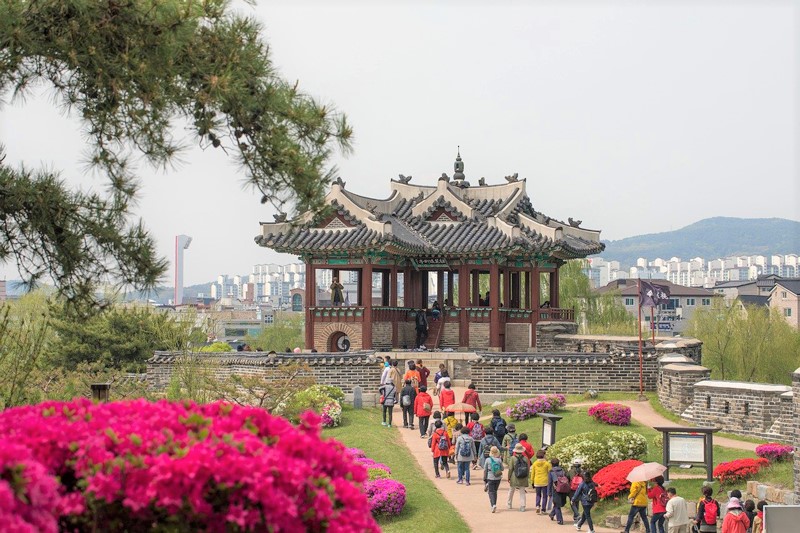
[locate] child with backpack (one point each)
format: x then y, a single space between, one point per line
388 399
437 415
423 405
465 454
493 474
510 441
540 475
560 485
486 445
658 494
707 512
575 475
440 448
450 421
477 433
456 434
586 494
518 469
498 426
407 396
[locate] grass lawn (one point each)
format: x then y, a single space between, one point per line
426 508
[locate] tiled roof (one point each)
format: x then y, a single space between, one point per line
792 285
748 299
448 219
630 287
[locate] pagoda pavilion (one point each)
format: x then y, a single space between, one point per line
483 252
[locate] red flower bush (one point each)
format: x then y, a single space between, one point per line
611 413
611 479
136 465
738 469
774 451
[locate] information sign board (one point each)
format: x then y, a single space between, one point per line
687 448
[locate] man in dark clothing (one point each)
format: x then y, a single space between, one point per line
424 372
407 397
422 327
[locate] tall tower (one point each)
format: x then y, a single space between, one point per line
182 242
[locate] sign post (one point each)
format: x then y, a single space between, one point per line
549 428
688 446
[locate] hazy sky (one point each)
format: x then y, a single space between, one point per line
635 117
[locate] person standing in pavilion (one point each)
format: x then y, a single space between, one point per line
337 294
421 325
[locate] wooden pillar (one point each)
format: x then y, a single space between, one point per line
515 290
554 289
527 304
494 313
423 288
311 301
450 287
463 303
385 287
407 287
393 303
440 287
506 299
475 300
535 290
366 294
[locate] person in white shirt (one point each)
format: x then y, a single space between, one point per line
677 512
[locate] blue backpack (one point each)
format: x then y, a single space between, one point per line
499 427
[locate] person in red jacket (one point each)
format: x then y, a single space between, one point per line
471 398
658 494
423 407
735 520
523 440
446 397
440 452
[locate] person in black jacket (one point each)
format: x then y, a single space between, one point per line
421 322
407 396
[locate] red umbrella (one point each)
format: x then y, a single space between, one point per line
646 472
460 408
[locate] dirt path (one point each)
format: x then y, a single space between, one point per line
473 503
644 413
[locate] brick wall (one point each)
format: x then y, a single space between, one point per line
507 375
479 335
323 331
450 333
382 335
341 370
518 337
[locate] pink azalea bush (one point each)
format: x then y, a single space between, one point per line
774 451
386 496
611 413
530 407
176 465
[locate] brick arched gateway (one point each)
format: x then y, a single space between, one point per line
327 336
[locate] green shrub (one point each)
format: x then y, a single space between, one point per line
377 473
314 398
329 390
217 347
597 449
658 441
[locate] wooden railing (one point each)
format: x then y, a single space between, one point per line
391 314
338 314
552 313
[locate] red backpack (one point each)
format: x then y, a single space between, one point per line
576 482
710 511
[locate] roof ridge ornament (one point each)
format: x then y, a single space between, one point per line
458 166
513 178
403 179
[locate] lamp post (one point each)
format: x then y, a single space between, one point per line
100 391
549 428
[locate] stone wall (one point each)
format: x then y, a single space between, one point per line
341 370
546 333
382 335
795 440
479 335
508 375
676 382
518 337
324 330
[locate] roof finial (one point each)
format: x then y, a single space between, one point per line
458 167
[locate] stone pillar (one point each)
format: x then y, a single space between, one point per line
494 313
796 424
366 301
311 301
463 303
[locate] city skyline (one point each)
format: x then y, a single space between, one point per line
597 98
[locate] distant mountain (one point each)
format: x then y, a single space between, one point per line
710 238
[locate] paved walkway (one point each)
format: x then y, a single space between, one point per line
473 503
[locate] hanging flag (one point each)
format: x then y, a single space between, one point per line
652 294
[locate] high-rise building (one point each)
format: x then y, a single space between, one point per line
182 242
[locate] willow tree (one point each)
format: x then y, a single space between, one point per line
134 73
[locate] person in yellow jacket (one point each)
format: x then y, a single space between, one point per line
638 500
540 476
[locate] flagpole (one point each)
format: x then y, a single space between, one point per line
652 323
641 358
